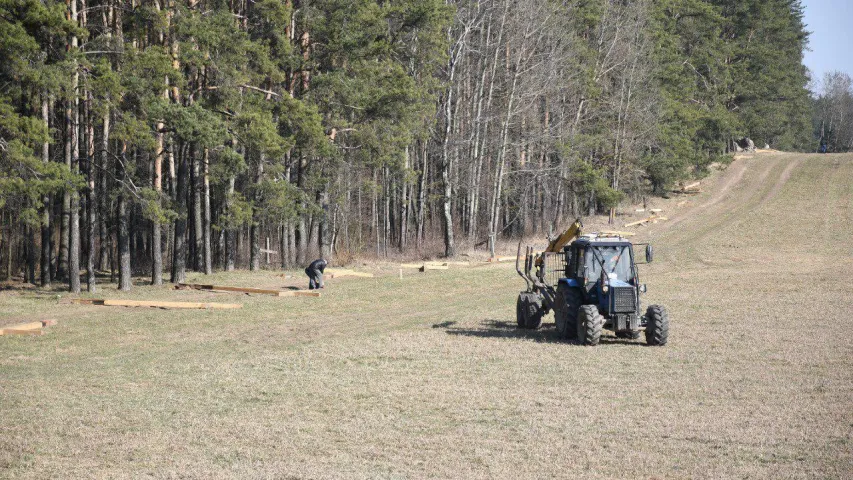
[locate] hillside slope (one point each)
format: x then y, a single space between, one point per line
426 376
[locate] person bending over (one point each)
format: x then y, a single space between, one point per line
315 273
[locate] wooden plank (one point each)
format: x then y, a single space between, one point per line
655 210
343 272
155 304
31 328
225 288
13 331
25 326
502 259
433 267
299 293
691 186
48 323
351 274
411 265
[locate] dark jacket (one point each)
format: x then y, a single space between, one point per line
318 264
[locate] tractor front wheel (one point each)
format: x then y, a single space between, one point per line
566 311
657 326
590 323
528 311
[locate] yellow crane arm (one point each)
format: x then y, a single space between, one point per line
574 231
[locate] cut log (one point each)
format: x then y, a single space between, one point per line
502 259
48 323
155 304
655 210
411 265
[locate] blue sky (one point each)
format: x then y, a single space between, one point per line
831 41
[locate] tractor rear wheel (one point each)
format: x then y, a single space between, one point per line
528 311
657 326
590 323
569 300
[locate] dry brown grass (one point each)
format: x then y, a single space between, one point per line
427 376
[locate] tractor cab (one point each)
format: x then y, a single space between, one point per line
592 261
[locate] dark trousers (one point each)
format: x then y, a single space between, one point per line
315 278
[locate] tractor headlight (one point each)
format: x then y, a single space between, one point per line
605 287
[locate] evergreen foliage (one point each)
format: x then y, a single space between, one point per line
183 133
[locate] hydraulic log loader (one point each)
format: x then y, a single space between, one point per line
590 282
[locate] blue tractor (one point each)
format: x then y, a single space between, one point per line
591 285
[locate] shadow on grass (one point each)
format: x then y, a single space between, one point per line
545 334
501 329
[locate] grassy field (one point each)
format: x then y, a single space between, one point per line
427 377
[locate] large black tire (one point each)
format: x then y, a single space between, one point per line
628 335
657 326
569 300
528 311
589 325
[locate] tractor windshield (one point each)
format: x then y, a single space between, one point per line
616 262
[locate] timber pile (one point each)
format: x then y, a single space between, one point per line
651 219
155 304
690 189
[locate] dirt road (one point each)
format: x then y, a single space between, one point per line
427 377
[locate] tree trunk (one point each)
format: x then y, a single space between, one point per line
208 255
324 236
230 240
157 227
198 235
45 215
74 229
179 260
103 207
91 198
254 228
62 264
123 223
